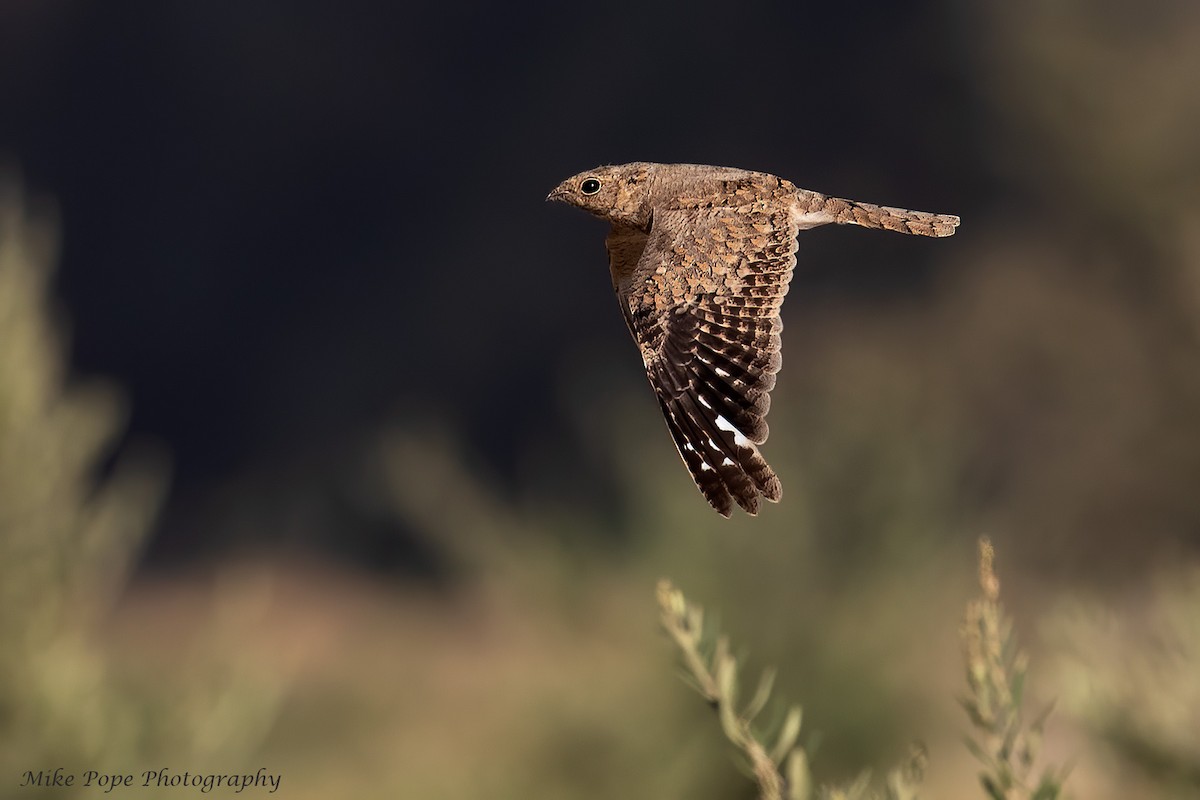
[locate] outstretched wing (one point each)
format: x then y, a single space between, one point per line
703 304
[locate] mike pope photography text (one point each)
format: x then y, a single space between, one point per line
163 778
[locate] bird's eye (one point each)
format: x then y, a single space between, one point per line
589 186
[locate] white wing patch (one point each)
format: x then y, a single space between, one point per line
738 438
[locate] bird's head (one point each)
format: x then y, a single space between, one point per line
618 194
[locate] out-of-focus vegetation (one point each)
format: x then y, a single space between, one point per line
1107 663
72 523
1006 743
779 765
1043 388
537 671
1007 746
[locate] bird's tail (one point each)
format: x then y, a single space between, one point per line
901 220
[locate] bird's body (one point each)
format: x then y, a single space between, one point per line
701 258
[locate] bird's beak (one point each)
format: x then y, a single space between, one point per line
558 192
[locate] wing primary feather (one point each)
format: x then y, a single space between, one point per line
731 404
721 454
690 446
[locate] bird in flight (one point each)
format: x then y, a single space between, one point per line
701 258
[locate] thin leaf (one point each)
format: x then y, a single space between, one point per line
787 735
1046 790
1017 682
799 777
761 695
977 750
990 787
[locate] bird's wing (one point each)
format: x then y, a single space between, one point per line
703 304
625 247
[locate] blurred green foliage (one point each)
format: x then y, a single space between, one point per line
1130 678
779 765
1005 743
996 669
70 532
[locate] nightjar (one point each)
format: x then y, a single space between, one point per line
701 258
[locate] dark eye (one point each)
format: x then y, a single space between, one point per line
589 186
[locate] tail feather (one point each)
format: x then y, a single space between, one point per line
818 207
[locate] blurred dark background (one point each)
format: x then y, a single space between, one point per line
322 426
284 222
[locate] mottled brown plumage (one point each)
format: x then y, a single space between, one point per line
701 258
